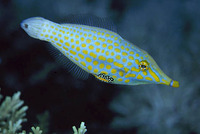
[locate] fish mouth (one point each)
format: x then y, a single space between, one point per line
22 24
163 77
174 83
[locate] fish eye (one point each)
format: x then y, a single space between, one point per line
26 25
143 65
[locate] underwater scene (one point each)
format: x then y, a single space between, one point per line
99 67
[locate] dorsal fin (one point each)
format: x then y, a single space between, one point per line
71 67
91 20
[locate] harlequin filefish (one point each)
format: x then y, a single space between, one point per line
100 52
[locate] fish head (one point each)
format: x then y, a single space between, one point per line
148 72
33 26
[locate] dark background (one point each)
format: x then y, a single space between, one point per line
168 30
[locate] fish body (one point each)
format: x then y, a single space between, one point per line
100 52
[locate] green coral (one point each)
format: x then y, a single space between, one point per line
35 131
43 120
81 130
12 115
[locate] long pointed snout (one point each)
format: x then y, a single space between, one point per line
168 81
